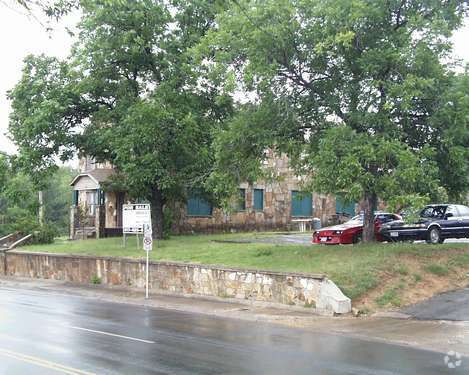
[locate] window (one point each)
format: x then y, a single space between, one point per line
452 210
241 206
301 204
91 201
341 207
433 212
101 197
258 199
198 206
463 210
75 198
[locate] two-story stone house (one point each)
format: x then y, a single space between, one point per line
276 205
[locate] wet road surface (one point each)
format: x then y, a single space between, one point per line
50 333
446 306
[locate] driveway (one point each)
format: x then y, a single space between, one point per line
305 239
447 306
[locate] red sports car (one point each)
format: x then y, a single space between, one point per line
351 231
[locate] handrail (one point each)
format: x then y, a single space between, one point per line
5 238
20 241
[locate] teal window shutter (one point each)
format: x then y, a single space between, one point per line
75 197
198 206
341 207
258 199
101 197
242 200
301 204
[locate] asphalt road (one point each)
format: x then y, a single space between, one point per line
446 306
48 333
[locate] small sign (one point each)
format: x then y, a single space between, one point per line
134 217
147 238
147 243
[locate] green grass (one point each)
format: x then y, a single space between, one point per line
437 269
390 296
355 269
401 269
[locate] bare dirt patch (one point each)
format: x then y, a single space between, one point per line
412 278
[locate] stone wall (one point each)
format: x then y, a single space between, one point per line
182 278
276 214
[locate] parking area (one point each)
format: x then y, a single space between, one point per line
305 239
446 306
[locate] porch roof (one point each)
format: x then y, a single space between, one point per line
96 175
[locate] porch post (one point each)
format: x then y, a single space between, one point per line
100 220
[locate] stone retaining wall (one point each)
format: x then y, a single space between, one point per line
182 278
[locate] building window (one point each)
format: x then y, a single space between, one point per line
198 206
258 203
75 198
91 201
241 204
301 204
342 207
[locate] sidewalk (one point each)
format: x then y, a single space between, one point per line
439 336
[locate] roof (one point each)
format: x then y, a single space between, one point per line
97 175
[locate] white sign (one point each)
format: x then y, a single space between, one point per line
147 243
135 217
147 238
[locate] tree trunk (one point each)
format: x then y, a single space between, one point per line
157 214
41 207
370 200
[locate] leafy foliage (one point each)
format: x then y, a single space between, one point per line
358 85
19 203
126 95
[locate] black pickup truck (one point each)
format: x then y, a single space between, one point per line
436 223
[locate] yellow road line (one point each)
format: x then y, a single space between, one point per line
42 362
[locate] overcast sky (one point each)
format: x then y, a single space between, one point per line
21 36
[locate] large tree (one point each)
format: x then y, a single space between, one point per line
126 95
354 86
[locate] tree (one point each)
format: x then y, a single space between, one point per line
451 136
19 205
58 199
354 86
126 95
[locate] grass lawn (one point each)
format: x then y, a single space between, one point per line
374 275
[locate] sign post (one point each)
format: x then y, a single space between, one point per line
147 246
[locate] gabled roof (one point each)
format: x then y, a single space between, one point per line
97 175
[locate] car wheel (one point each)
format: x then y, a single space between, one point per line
357 238
434 236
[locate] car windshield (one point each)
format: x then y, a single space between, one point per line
355 219
433 212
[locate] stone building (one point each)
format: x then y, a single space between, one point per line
279 204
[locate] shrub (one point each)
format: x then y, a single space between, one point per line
44 235
96 280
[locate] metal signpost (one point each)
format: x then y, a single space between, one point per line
147 246
134 217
